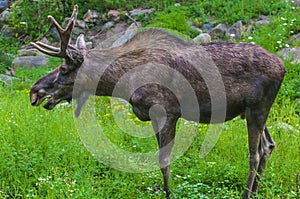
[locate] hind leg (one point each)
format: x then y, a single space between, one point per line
265 148
257 137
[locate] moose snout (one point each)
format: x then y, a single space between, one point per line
33 99
37 97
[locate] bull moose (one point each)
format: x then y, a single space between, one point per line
250 75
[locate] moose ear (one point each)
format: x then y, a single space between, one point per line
80 43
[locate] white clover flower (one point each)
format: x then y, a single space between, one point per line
285 24
287 45
250 38
232 35
252 42
292 31
279 42
283 19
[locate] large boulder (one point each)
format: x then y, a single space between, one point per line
29 61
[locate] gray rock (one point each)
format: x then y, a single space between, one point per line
295 38
264 20
133 27
203 37
197 29
80 24
219 31
139 11
290 54
3 5
91 16
122 40
29 61
129 33
4 16
76 32
7 31
28 52
106 38
7 79
236 30
207 26
108 25
297 3
190 23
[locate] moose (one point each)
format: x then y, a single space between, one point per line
251 77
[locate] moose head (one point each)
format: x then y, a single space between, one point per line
58 85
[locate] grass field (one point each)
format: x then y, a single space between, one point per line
43 156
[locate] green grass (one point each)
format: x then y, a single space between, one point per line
42 155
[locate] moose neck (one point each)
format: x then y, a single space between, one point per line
102 69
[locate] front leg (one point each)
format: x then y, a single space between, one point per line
164 127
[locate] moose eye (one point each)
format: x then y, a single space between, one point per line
63 69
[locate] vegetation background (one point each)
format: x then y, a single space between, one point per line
41 155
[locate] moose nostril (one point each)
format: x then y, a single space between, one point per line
33 99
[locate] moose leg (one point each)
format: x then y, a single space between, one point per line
256 120
266 147
165 134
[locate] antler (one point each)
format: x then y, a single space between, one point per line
64 35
